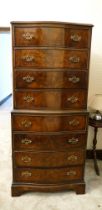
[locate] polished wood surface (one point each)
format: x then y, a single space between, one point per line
48 123
50 58
49 159
51 79
52 36
48 176
50 88
45 142
46 99
19 188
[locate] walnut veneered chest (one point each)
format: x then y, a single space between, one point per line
50 118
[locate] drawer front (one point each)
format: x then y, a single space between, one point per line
50 36
49 58
48 123
48 159
41 142
49 99
48 176
51 79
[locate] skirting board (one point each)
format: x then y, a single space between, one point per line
5 99
89 154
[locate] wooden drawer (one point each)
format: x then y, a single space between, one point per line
48 123
50 79
49 159
49 99
41 142
48 176
50 58
52 36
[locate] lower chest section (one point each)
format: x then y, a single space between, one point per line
48 148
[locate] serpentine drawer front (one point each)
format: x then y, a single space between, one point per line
50 58
46 99
45 142
54 35
50 79
49 159
50 119
49 123
48 176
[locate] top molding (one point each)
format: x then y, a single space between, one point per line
51 22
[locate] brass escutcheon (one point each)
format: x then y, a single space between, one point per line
74 79
74 59
74 122
73 140
26 173
28 36
75 37
28 79
28 58
28 98
26 159
71 173
26 141
26 123
72 99
72 158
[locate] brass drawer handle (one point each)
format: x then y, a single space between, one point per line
74 122
26 173
26 159
73 140
72 158
71 173
28 36
28 98
72 99
26 141
28 79
74 59
28 58
26 123
74 79
75 38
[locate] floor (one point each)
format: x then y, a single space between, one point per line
92 200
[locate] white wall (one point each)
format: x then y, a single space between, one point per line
84 11
5 65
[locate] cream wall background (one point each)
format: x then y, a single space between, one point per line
82 11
